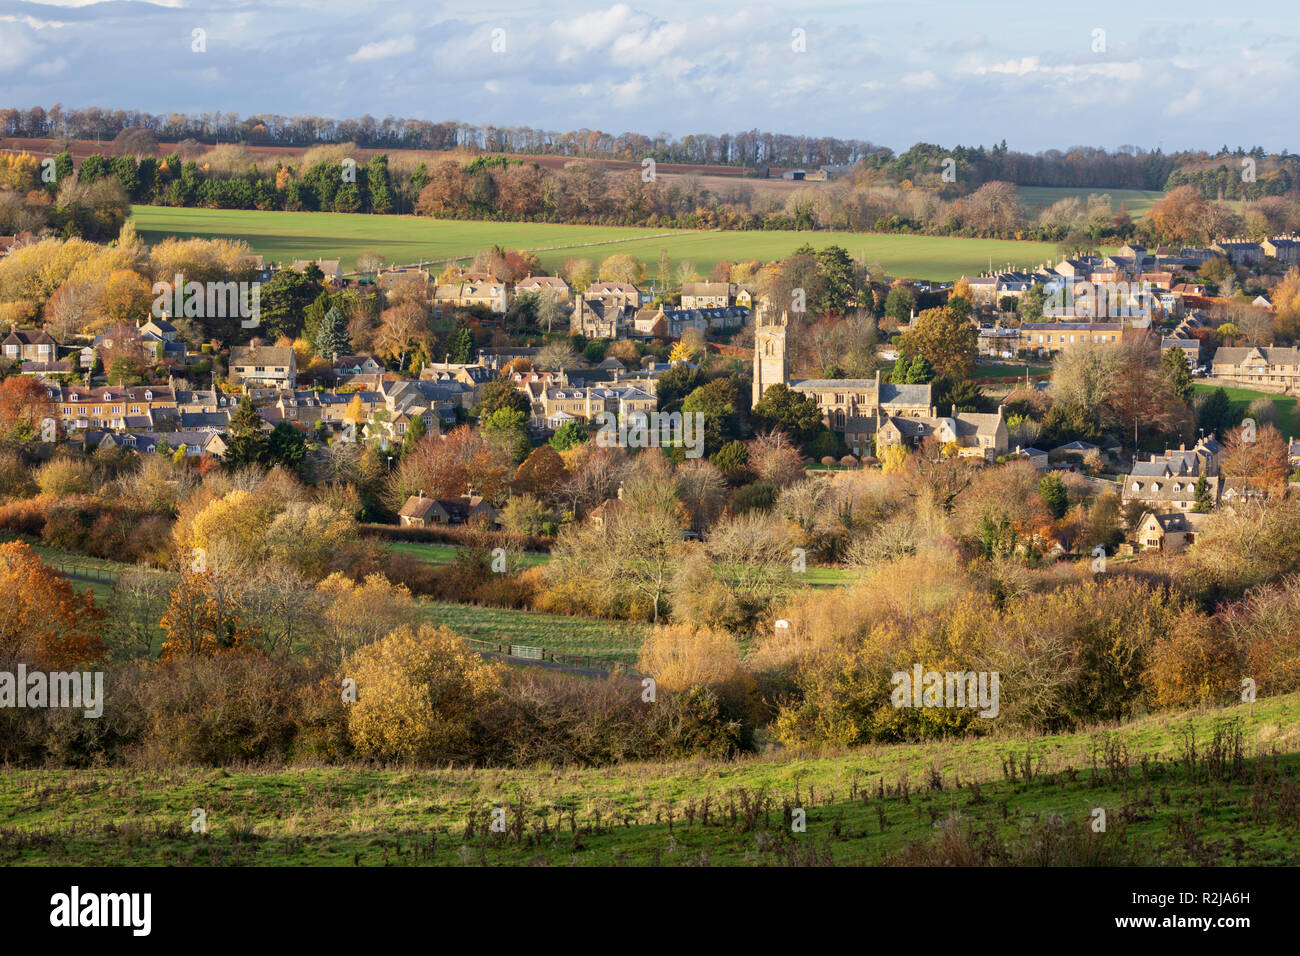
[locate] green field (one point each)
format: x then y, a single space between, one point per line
283 236
1136 201
434 553
1230 799
575 636
1239 399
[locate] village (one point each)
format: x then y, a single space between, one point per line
1018 316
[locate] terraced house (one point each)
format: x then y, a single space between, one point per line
112 407
561 405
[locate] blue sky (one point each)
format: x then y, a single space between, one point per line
1190 74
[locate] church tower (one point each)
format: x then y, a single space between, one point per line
769 356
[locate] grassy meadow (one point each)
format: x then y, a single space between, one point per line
1216 786
1137 202
1239 399
283 236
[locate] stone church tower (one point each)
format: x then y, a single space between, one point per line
769 357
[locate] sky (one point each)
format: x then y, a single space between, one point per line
894 72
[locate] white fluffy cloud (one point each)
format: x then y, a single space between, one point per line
892 71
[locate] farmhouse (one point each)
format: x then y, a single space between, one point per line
553 286
1277 368
420 511
263 366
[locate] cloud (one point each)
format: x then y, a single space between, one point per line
382 49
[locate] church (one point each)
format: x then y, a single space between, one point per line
863 408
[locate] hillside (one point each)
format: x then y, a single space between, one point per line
1216 786
283 236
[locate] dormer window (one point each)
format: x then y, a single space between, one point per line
148 396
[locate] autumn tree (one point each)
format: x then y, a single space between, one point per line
1262 456
946 339
541 474
635 552
419 694
24 405
43 621
403 330
444 466
621 267
196 623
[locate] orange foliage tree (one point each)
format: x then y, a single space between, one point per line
1264 459
198 622
444 466
43 621
24 404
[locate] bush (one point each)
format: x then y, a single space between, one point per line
418 696
759 496
66 476
232 706
26 516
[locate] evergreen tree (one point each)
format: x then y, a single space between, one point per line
1178 372
1204 500
414 432
1052 490
246 444
332 334
381 196
461 346
287 446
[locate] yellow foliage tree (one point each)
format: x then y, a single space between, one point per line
894 458
418 692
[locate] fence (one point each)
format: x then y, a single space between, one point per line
86 574
522 652
531 654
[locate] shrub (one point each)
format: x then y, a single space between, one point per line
66 476
234 705
26 516
418 694
759 496
1195 663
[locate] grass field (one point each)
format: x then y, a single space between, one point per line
282 236
576 636
1229 799
434 553
1239 399
1136 201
